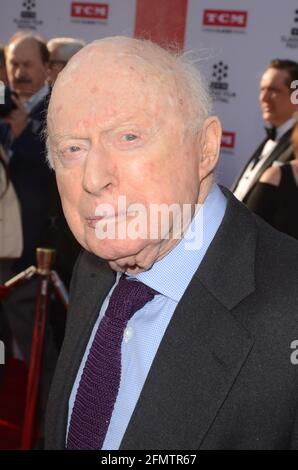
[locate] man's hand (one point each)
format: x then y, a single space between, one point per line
18 118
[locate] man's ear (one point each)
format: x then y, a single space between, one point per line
209 140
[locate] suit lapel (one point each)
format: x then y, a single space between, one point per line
38 113
96 278
279 153
195 367
204 347
256 154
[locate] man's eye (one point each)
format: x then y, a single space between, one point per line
74 148
71 151
129 137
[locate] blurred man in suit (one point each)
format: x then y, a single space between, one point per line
3 73
179 336
27 60
20 134
278 110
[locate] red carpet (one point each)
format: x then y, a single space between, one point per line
12 402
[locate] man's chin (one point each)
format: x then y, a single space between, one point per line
268 118
130 256
114 250
23 88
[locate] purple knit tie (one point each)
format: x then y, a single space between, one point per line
99 384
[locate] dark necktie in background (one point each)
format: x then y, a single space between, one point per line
99 384
271 132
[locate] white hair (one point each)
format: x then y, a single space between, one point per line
197 90
191 85
67 47
171 67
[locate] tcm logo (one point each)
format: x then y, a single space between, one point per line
228 18
228 140
97 11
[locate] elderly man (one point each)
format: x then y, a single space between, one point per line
278 110
61 50
174 340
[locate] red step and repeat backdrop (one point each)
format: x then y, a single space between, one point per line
232 41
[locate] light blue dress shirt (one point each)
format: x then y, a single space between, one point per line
170 277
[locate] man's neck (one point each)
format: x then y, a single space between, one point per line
284 127
31 101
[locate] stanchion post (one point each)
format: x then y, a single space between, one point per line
45 259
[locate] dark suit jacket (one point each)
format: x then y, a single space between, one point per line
32 179
222 377
283 152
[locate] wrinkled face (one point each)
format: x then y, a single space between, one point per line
25 69
275 97
116 131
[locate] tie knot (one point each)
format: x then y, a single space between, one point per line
271 132
128 297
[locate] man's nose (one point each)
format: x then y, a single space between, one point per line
100 172
19 72
265 96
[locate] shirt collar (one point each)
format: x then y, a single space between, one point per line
281 130
171 275
34 99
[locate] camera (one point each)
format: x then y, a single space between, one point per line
9 105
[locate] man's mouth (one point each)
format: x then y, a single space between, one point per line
23 81
92 221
